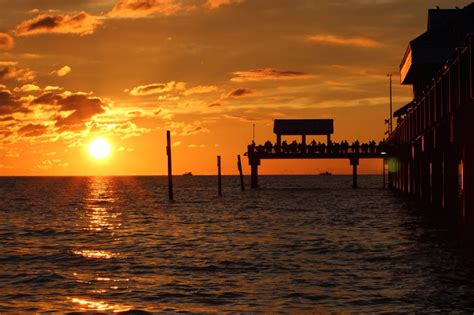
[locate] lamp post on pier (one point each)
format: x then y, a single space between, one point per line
390 123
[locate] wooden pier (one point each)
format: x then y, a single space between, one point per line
328 150
434 161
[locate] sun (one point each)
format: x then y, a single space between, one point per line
99 148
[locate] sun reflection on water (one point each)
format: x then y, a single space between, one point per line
100 205
98 254
89 305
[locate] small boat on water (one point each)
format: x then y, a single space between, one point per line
325 174
188 174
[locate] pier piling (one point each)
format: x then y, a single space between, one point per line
239 167
170 175
254 174
383 173
354 163
219 176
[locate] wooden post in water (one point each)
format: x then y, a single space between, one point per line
354 163
383 173
391 167
239 167
219 179
170 174
254 174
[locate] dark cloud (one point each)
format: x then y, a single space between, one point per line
47 99
79 23
7 118
10 104
32 130
83 107
214 4
157 88
241 92
6 73
23 75
143 8
6 41
269 74
135 113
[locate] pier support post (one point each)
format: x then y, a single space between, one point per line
405 171
170 173
468 187
411 171
452 179
354 163
219 178
384 163
391 169
239 167
417 157
436 180
426 148
254 175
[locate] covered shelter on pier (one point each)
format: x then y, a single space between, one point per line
303 128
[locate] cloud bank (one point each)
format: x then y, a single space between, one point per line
268 74
357 41
79 23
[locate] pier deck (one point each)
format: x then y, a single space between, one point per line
352 153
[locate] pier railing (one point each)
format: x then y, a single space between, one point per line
315 152
353 153
450 89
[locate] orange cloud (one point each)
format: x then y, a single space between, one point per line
18 74
8 63
32 130
186 129
27 88
79 23
356 41
157 88
214 4
143 8
6 41
268 74
236 93
62 72
200 89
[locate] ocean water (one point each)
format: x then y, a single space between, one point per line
300 243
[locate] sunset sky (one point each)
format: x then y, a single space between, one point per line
128 70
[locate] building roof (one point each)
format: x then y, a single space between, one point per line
295 127
426 54
403 110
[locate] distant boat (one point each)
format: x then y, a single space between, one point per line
188 174
325 173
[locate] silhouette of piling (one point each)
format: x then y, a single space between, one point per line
354 163
170 175
239 167
219 179
383 173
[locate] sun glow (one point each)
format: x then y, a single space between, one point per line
99 149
